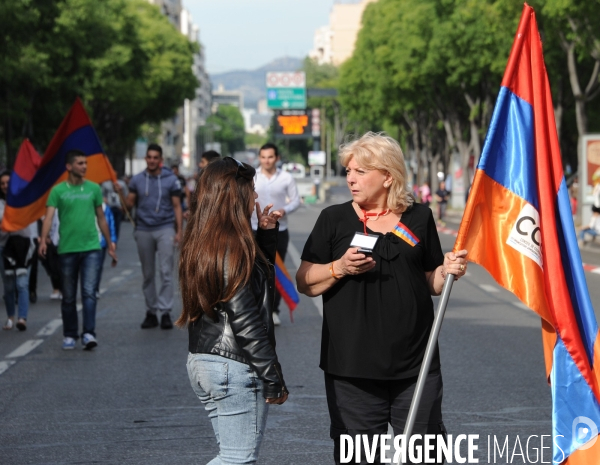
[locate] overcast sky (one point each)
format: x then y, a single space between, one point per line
246 34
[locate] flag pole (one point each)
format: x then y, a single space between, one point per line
429 351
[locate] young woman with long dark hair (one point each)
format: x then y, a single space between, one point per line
227 286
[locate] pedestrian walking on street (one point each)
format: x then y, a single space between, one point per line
377 307
441 197
184 196
110 221
208 157
113 200
425 194
16 251
155 192
79 205
227 282
278 188
17 254
51 262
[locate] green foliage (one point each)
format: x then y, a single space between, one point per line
428 65
228 126
255 141
124 59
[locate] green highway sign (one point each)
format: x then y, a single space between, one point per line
286 98
286 90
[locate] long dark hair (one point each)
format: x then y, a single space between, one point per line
218 227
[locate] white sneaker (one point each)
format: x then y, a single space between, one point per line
68 343
88 341
276 320
56 295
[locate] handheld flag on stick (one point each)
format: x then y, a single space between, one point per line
30 185
518 225
285 285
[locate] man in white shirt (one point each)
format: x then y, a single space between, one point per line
276 187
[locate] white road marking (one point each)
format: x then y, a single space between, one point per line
6 365
295 257
50 328
25 348
488 288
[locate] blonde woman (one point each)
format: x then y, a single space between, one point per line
377 307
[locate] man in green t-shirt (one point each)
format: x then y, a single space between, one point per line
79 205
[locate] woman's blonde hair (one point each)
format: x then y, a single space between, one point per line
377 151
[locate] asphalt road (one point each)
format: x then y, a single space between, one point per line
129 400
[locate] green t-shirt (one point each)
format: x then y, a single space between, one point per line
77 215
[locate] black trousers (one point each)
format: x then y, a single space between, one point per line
283 239
366 406
52 265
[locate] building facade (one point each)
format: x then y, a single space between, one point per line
179 135
220 96
334 43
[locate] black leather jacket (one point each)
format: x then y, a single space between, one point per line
243 330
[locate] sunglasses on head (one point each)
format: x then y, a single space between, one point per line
243 170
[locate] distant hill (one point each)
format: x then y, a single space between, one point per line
252 82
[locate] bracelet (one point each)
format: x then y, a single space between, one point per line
332 272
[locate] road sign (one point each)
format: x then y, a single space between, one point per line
292 124
286 91
317 157
294 79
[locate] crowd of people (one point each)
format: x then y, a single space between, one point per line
377 303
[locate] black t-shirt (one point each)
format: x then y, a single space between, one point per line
376 324
443 194
182 184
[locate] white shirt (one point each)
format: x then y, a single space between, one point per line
280 190
595 223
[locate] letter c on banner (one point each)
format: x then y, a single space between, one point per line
532 233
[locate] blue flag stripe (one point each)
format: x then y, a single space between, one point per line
508 152
22 193
572 398
574 275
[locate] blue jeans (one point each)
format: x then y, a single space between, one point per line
232 395
73 265
16 287
100 269
590 231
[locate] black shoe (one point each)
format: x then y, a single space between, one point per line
151 321
32 297
165 321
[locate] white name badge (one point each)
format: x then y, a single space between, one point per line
364 242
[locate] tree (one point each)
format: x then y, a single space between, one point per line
428 65
334 120
575 25
228 126
124 59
